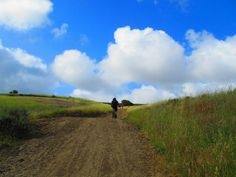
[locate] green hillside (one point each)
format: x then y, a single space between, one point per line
194 136
18 114
43 107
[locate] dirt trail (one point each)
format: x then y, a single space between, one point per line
82 147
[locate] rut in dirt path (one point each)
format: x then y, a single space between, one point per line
76 147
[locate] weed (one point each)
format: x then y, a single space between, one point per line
14 122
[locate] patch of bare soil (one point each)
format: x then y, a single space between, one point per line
82 147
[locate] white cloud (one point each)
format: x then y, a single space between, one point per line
73 66
24 14
194 89
143 56
195 39
58 32
136 56
212 60
27 60
148 94
144 94
24 72
151 58
76 68
93 95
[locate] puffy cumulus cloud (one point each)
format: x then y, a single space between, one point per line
147 56
140 56
24 14
24 72
58 32
73 66
212 60
76 68
193 89
151 57
148 94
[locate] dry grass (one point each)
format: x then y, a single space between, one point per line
196 136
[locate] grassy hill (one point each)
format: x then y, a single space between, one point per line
44 107
196 137
18 113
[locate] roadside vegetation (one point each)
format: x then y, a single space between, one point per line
19 113
195 136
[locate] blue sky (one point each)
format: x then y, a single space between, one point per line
89 28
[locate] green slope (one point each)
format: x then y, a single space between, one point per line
195 136
19 114
43 107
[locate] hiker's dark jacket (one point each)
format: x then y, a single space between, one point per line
114 104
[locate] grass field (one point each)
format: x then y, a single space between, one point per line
44 107
41 107
195 136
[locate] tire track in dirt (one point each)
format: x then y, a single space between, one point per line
83 147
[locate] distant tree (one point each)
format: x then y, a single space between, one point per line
14 92
126 103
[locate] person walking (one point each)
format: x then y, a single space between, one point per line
114 105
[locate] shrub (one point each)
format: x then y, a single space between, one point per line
14 122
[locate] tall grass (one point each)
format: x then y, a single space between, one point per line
197 136
14 122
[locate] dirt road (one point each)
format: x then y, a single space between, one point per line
82 147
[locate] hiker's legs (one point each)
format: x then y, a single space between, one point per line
114 113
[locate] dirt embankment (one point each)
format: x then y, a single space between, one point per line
82 147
